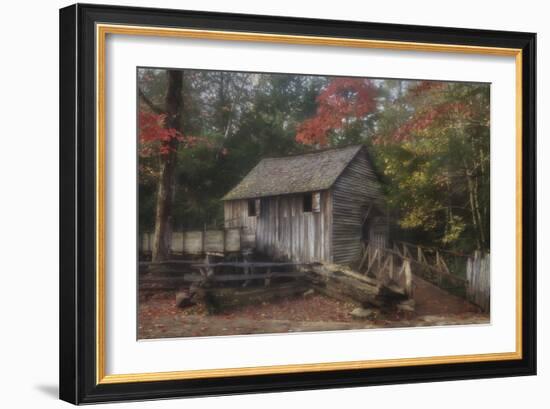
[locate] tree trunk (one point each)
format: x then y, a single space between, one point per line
481 222
165 191
474 211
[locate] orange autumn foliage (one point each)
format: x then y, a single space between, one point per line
343 98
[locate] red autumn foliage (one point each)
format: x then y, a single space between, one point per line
343 98
155 137
152 128
425 86
153 134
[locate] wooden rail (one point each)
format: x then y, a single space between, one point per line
388 267
471 281
199 278
430 249
432 263
209 272
404 259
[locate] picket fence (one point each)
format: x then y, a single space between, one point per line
478 274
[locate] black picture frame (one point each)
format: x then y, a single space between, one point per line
78 356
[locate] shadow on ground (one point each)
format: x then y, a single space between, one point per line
50 390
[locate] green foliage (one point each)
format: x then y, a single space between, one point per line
429 141
433 147
238 118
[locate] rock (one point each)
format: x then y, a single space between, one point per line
407 305
433 319
309 292
363 313
184 299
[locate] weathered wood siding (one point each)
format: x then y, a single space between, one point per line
236 216
478 274
283 230
378 231
202 241
354 190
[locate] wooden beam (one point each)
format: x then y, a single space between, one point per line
193 278
218 299
252 264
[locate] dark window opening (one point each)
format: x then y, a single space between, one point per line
308 203
365 230
252 207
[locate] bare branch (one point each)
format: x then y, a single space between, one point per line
156 109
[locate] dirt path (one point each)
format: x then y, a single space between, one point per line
160 318
432 300
197 325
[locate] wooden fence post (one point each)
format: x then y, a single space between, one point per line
408 277
478 289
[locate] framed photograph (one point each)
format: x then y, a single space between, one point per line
257 203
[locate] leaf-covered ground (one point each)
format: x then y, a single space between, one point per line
160 318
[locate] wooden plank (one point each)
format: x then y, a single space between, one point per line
165 262
244 264
219 299
232 240
193 278
479 280
213 241
375 257
176 243
363 259
192 242
344 284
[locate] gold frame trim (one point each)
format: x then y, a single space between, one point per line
102 30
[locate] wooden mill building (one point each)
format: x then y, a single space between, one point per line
316 206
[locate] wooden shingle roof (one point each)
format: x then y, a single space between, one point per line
308 172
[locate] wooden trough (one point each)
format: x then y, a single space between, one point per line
223 298
252 282
200 242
